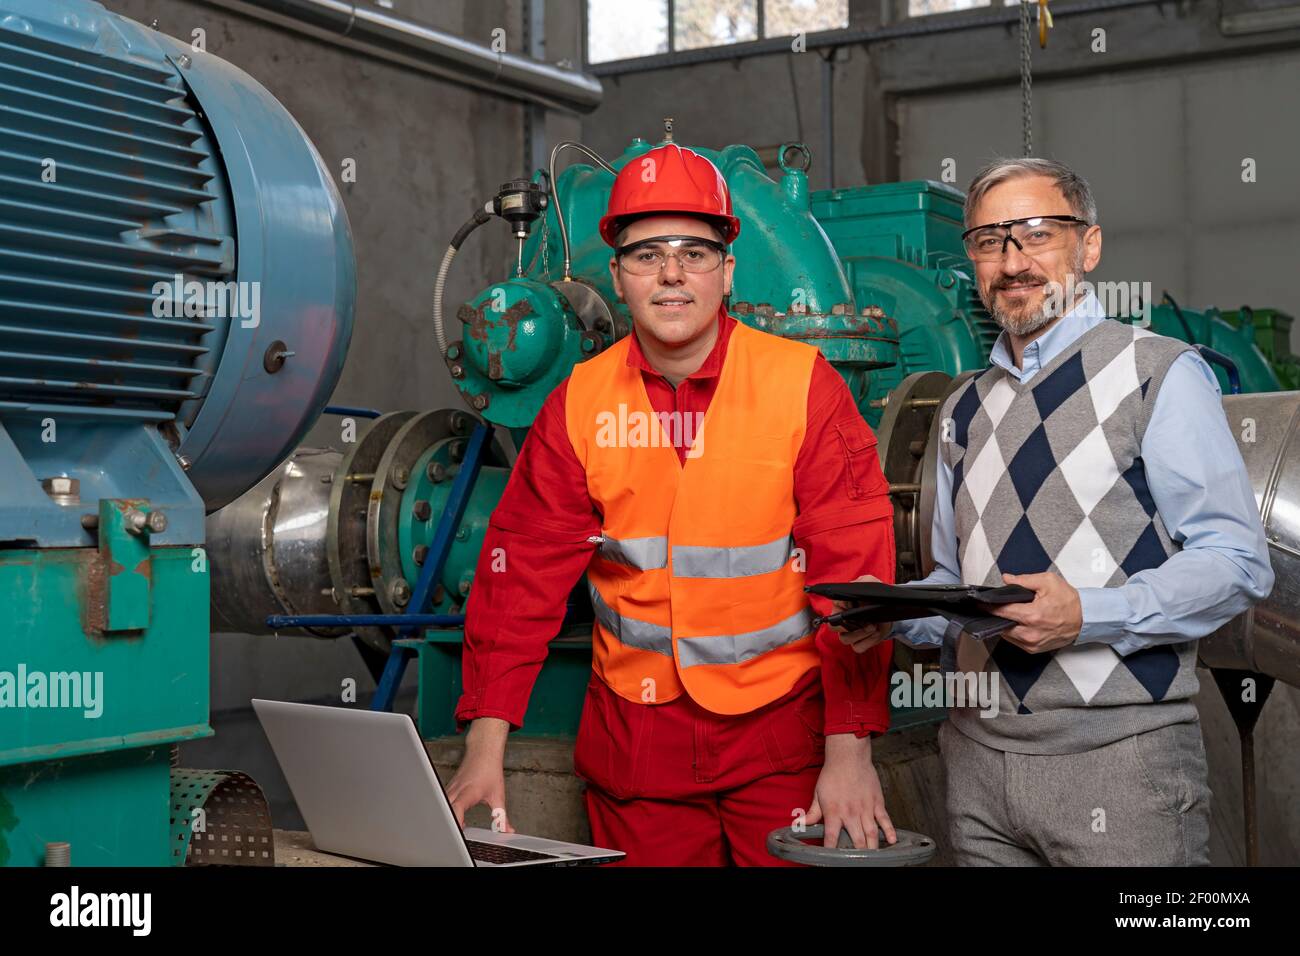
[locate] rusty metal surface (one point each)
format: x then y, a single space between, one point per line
908 449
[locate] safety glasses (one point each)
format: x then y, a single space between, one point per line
646 257
1032 235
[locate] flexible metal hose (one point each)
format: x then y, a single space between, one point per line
473 222
559 206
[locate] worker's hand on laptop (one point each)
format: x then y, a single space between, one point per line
848 795
481 777
864 638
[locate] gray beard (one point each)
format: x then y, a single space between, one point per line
1031 322
1025 324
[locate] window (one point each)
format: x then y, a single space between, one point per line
624 29
701 23
922 8
785 18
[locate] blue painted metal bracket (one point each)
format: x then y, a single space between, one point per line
353 410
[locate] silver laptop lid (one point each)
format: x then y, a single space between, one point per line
364 784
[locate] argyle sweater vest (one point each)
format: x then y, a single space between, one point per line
1048 476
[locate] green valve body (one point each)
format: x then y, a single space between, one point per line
788 281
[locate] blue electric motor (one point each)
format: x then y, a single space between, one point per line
176 274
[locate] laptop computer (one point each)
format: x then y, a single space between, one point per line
367 789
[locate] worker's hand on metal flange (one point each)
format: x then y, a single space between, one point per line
865 638
848 795
1050 621
481 777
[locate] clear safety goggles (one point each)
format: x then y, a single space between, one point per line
647 257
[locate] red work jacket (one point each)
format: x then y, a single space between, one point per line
546 516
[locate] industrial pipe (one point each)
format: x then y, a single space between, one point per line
384 34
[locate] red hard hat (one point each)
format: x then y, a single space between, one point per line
670 179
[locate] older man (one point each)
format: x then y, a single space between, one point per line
1092 463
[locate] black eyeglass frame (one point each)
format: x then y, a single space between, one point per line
1008 223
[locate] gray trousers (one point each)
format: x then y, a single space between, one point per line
1141 801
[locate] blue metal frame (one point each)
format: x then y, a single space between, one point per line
277 621
463 484
352 410
475 453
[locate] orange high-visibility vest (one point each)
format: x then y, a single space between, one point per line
694 585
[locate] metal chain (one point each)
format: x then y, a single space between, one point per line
1026 98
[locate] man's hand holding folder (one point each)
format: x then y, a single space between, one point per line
1037 612
864 638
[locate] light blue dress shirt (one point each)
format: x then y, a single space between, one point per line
1200 487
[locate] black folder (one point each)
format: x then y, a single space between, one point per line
875 602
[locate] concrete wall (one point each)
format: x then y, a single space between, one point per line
1163 149
763 101
545 798
1277 777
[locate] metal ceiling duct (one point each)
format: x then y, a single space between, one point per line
384 34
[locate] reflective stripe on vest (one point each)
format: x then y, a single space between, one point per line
734 648
646 554
639 634
695 561
710 649
691 561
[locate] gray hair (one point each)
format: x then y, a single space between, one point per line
1073 187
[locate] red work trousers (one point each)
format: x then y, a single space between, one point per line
676 785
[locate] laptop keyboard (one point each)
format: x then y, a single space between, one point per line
499 853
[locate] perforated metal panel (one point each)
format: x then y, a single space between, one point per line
219 818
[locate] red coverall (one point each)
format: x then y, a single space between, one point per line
672 783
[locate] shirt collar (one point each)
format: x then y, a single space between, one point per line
712 364
1085 314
